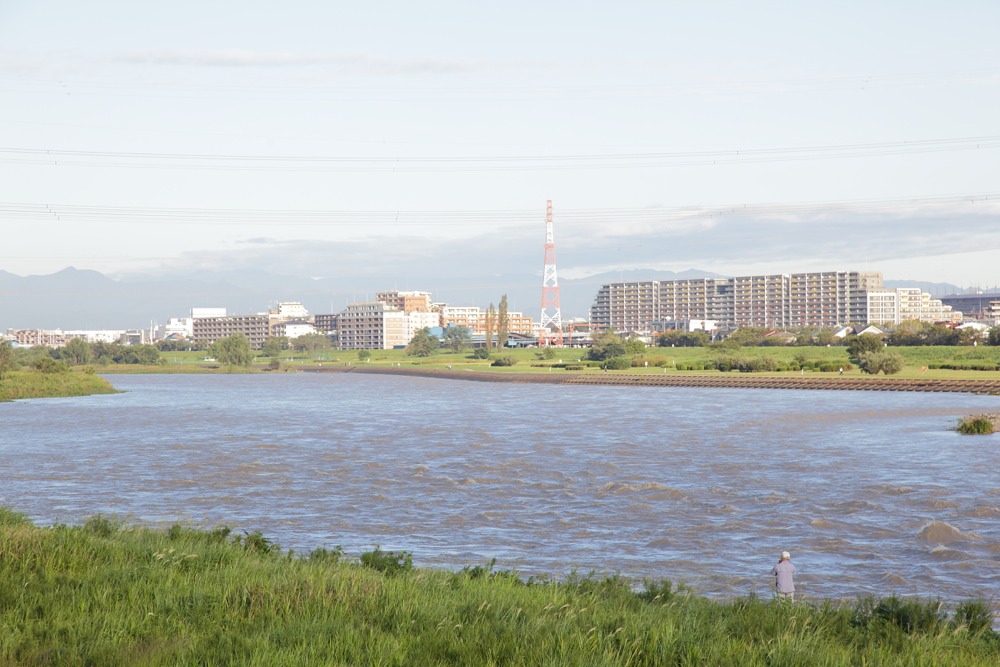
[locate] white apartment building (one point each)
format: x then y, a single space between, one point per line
289 310
915 304
822 299
819 299
882 306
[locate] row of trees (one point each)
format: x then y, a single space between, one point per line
911 333
76 352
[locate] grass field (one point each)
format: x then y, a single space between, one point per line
110 594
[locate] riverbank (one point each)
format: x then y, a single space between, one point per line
107 593
33 384
722 380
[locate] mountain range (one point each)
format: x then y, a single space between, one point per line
85 299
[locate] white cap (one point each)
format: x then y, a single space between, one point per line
786 555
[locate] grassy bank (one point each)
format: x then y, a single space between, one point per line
33 384
110 594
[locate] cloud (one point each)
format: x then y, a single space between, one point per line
481 267
350 63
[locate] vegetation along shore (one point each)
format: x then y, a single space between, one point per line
110 593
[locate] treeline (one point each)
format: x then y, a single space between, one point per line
905 334
77 352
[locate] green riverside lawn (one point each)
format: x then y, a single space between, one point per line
110 594
33 384
925 362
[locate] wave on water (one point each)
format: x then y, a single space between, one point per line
614 488
852 506
893 579
941 552
942 533
986 511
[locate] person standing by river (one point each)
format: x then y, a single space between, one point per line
784 579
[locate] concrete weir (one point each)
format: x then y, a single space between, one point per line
727 380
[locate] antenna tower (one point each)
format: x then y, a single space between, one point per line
551 331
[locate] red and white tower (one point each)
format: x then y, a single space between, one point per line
551 331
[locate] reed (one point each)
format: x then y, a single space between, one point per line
107 594
33 384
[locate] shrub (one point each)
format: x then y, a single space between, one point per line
975 615
256 542
322 555
746 365
49 365
100 526
618 363
910 616
504 361
389 562
978 425
659 590
480 353
872 363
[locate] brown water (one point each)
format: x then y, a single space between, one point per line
871 492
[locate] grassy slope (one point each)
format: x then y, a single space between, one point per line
31 384
110 594
661 360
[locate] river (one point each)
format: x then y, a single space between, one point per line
871 492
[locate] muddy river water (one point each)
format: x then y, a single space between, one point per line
871 492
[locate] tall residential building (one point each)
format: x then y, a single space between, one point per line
407 302
371 325
779 300
210 329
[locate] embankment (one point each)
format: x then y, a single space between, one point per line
722 380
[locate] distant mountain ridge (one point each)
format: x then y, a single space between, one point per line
86 299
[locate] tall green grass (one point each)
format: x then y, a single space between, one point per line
110 594
32 384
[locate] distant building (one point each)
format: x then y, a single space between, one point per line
371 325
256 328
292 329
408 302
819 299
975 306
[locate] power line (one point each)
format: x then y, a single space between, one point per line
132 160
35 212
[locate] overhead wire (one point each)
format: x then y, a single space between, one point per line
25 211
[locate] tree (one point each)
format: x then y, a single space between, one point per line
490 325
422 344
7 362
503 323
274 346
456 338
311 343
233 350
994 336
76 352
634 346
885 361
606 345
749 336
858 345
683 339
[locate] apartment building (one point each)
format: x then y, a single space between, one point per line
256 328
371 325
408 302
774 301
915 304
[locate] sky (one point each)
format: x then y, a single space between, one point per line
388 136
